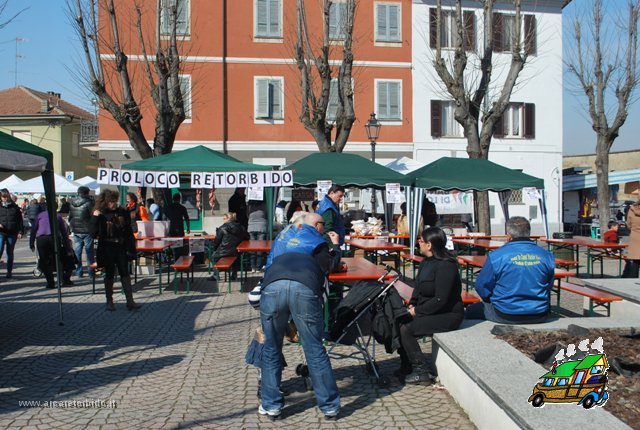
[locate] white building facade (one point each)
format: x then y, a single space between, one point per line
530 136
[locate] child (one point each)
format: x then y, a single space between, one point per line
611 235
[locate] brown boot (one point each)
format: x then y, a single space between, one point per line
128 293
108 291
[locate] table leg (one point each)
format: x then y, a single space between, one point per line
160 273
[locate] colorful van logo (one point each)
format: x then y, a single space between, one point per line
581 381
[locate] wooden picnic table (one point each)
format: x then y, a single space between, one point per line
155 248
251 246
488 245
358 269
593 246
371 247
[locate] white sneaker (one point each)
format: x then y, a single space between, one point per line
272 415
332 415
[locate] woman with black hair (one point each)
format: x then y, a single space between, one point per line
435 305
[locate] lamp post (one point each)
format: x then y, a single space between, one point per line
373 127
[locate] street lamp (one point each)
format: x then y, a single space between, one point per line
373 127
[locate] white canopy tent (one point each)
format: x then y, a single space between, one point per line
90 183
11 182
34 185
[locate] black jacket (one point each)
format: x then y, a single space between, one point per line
228 237
80 215
11 219
113 227
33 210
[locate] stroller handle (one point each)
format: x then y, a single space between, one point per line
389 269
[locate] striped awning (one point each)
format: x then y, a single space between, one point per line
580 182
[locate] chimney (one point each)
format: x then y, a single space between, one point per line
44 106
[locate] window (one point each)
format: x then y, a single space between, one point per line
388 100
504 29
562 381
268 18
518 121
185 90
443 122
448 37
22 134
182 17
269 96
337 19
388 22
548 382
596 369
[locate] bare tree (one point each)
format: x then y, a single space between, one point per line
3 7
605 64
479 101
110 79
316 75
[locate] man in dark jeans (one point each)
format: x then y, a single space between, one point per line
80 223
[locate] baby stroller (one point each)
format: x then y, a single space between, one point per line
352 323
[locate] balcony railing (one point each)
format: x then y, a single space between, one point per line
89 131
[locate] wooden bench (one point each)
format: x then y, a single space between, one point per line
596 298
565 263
469 298
411 259
225 264
182 265
601 255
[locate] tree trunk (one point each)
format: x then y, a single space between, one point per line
483 215
602 174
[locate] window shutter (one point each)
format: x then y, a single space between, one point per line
393 24
182 24
381 22
529 121
164 17
275 88
469 30
262 88
185 90
333 21
261 17
274 18
383 100
498 129
394 100
332 108
530 43
436 118
497 32
433 29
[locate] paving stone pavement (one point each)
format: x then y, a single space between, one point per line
176 363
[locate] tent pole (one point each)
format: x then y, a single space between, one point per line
50 192
543 210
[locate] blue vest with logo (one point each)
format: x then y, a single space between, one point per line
326 204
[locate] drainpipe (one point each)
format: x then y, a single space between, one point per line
225 107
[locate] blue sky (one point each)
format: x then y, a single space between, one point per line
50 46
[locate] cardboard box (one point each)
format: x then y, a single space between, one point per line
146 269
152 228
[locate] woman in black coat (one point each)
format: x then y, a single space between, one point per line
111 225
11 227
228 236
435 305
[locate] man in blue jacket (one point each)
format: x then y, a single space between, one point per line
515 281
293 286
329 208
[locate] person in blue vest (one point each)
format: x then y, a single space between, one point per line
330 210
516 280
293 286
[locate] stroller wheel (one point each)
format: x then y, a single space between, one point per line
37 273
383 382
302 370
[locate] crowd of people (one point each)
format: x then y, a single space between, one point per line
514 284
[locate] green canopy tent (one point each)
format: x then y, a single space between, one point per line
201 159
470 174
17 155
349 170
